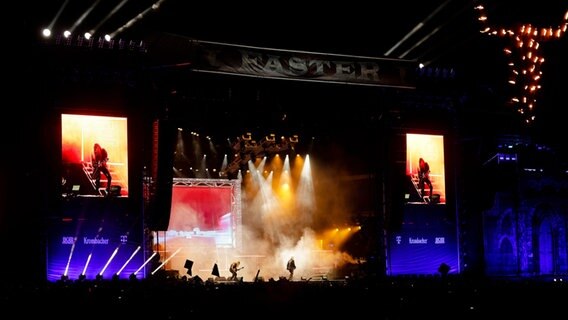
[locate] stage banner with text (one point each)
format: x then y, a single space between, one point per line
259 62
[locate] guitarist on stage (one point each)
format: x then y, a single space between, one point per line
234 268
291 266
99 160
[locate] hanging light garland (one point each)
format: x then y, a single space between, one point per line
525 59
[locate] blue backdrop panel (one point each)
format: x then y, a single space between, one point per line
95 235
426 238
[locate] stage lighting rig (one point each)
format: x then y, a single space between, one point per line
245 148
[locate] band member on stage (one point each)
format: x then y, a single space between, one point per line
234 268
291 266
99 161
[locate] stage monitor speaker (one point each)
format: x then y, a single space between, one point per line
172 274
188 265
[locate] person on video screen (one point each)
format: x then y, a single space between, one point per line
424 177
99 161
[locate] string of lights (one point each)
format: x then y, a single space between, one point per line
525 59
48 31
99 43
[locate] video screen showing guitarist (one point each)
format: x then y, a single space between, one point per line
99 161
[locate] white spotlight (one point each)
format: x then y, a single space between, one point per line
87 35
66 33
46 32
107 37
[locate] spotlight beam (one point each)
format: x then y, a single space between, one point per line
52 23
70 256
434 32
83 16
127 261
145 263
137 18
112 12
417 44
416 28
108 261
166 261
87 264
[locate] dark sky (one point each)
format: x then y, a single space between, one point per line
441 33
355 27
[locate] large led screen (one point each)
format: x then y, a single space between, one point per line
203 224
424 238
94 153
202 211
425 169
